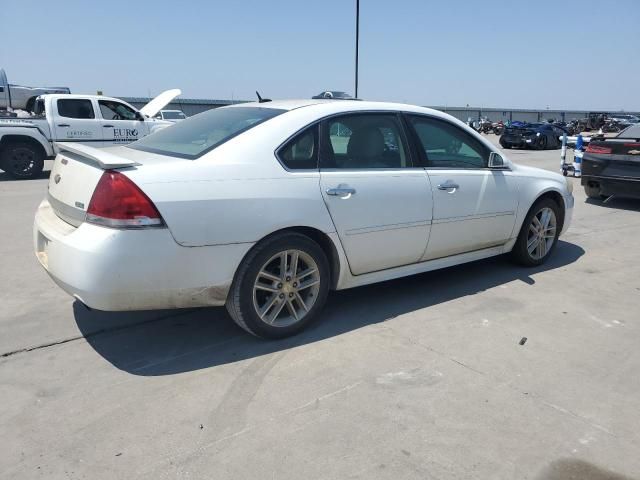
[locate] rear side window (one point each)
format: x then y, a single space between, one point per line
448 146
201 133
301 152
364 141
75 108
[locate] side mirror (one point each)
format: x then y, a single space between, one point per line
139 116
496 161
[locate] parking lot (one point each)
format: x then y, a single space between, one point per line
423 377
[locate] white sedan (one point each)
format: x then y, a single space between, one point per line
265 207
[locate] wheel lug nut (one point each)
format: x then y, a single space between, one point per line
295 284
291 294
279 285
288 279
282 295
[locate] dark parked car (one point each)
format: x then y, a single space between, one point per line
611 166
334 95
532 135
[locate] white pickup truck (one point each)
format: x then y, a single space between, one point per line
92 120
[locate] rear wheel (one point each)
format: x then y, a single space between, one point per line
280 287
22 160
593 191
539 234
542 142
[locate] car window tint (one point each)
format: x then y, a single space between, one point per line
116 111
448 146
301 152
365 141
75 108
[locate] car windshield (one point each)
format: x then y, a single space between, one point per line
173 115
200 134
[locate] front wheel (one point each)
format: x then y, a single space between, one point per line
539 234
280 287
22 160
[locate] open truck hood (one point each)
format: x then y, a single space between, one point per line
161 101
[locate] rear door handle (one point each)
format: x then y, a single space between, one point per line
448 185
107 126
341 191
64 125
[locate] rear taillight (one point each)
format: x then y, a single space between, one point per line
598 149
117 202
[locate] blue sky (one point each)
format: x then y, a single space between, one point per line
560 54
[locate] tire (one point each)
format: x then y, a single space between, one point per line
22 160
542 143
251 290
521 250
593 192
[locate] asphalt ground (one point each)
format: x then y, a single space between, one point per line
422 377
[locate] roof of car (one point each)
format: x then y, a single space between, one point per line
340 105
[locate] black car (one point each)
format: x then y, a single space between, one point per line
532 135
334 95
611 166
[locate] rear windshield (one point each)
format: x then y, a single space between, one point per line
630 132
200 134
173 115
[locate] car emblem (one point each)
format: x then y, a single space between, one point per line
57 178
634 152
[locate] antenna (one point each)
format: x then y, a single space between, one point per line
262 100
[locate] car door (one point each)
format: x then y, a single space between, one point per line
379 201
121 124
75 120
474 206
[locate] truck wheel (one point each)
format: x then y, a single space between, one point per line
22 160
593 191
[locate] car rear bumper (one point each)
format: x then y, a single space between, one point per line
115 270
625 187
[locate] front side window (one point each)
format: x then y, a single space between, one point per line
301 152
447 146
111 110
75 108
365 141
197 135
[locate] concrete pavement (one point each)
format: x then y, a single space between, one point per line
421 377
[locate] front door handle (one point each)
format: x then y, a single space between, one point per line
107 126
449 185
341 190
64 125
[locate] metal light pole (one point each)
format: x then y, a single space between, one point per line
357 41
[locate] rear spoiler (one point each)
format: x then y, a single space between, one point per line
104 159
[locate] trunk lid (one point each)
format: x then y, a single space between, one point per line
74 176
622 158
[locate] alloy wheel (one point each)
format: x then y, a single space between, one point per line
286 288
542 233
